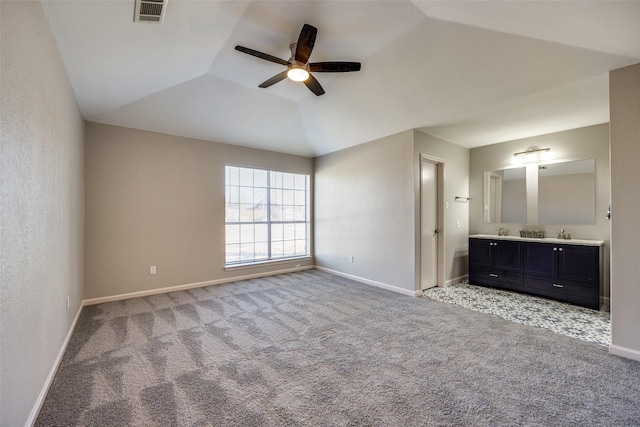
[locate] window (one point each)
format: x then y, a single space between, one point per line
267 215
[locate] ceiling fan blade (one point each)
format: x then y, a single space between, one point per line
334 67
262 55
275 79
314 85
306 40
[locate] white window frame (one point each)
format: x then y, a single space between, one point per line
267 216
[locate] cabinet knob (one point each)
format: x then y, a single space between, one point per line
560 249
555 249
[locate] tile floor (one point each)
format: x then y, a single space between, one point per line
578 322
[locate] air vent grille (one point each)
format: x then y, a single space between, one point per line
150 11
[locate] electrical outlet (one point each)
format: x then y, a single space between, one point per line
457 224
68 302
152 269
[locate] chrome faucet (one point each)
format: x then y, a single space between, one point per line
563 235
503 232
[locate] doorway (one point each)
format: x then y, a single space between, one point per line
431 222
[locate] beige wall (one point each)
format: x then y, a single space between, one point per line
584 143
368 206
456 183
364 206
156 199
41 208
625 205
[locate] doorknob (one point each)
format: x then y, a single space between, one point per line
436 231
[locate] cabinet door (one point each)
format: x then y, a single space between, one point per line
578 263
480 253
540 259
507 255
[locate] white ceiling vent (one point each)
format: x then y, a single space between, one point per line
150 11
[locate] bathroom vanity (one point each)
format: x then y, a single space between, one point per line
565 270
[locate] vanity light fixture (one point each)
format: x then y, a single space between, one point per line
532 155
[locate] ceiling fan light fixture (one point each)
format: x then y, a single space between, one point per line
298 74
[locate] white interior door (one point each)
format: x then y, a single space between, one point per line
429 225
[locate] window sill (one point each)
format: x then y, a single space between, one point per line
257 264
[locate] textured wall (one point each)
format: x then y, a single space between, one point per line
584 143
625 206
41 207
156 199
364 207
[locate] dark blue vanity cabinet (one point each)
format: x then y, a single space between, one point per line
495 263
563 271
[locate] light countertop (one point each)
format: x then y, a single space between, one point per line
543 240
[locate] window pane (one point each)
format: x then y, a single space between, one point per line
289 231
246 177
287 180
260 178
277 249
247 233
301 231
232 234
277 232
261 233
301 247
232 175
276 180
300 182
233 213
246 252
287 197
299 198
261 251
233 253
300 213
260 204
289 248
246 213
233 194
246 195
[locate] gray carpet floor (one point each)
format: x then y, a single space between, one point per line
313 349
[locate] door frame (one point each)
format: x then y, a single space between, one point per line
440 251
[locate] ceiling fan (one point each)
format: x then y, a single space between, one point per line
298 66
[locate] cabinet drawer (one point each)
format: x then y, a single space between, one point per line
584 294
500 278
563 287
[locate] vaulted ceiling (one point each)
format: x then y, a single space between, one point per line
471 72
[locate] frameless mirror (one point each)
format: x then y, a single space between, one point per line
566 193
505 196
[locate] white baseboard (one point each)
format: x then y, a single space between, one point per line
372 282
457 280
187 286
624 352
35 411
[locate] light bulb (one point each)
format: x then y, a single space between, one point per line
298 74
